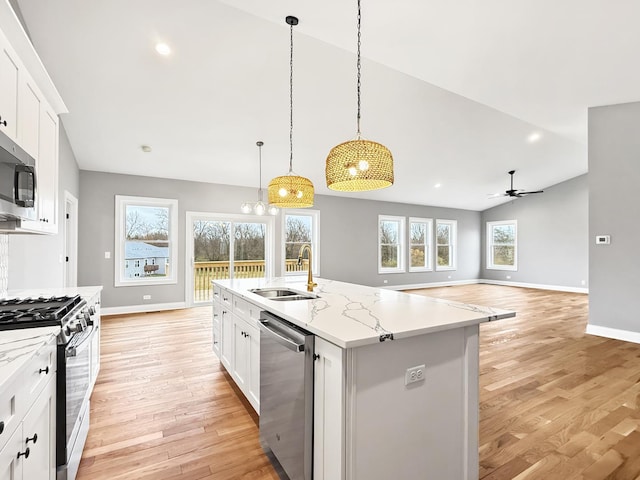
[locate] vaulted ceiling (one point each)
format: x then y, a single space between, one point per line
455 89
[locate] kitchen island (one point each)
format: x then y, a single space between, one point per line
370 421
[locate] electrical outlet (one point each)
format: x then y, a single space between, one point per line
146 297
583 282
508 277
414 374
107 255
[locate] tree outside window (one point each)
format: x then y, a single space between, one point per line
300 228
420 244
502 245
390 244
446 232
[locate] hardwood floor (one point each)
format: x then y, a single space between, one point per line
554 403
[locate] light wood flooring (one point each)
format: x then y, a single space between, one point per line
554 403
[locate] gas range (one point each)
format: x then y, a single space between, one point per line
70 313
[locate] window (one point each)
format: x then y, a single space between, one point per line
502 243
391 233
446 234
300 227
146 229
420 244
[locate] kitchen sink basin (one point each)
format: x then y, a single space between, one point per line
283 294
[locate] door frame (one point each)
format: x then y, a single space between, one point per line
191 216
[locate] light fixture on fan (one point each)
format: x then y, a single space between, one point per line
291 190
359 165
259 207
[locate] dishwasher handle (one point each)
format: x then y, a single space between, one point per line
282 333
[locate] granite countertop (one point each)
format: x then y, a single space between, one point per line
350 315
18 346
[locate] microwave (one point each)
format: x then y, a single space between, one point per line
17 182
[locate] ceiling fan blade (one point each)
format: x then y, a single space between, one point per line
529 193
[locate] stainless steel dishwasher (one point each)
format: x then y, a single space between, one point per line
286 395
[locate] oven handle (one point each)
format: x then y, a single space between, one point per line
75 349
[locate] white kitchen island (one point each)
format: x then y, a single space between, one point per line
368 424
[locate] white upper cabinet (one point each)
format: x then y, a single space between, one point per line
8 89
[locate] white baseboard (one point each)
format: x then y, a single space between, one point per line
558 288
416 286
615 333
147 307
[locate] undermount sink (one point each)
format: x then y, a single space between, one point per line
283 294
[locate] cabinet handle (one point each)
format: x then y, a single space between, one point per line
4 122
1 427
45 370
316 356
24 454
33 439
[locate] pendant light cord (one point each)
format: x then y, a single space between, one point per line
291 104
359 67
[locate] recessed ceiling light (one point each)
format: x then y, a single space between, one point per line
437 185
163 49
534 137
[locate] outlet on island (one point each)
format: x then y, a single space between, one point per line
414 374
146 297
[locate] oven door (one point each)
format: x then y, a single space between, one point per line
75 389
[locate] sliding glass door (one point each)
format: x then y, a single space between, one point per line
225 246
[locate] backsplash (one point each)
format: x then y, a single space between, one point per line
4 265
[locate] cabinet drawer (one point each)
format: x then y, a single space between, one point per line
39 370
10 464
226 298
217 293
246 310
11 400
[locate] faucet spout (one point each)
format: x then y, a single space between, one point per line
310 282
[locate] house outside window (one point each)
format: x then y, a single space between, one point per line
146 241
420 234
391 235
502 245
446 239
300 227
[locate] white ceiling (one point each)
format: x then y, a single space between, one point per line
454 89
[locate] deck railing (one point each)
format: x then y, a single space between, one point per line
204 272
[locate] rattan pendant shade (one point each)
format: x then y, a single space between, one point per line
359 164
291 190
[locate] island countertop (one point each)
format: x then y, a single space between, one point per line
350 315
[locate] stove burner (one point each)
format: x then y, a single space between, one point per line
35 312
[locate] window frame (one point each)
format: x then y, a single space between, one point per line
315 240
489 264
453 247
428 245
402 226
121 204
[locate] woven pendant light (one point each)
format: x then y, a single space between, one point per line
359 165
291 190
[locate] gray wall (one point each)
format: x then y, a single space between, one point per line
347 226
552 236
35 261
614 209
349 236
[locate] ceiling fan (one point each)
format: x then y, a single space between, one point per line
514 192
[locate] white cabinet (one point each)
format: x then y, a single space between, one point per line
27 441
236 341
9 67
29 119
328 412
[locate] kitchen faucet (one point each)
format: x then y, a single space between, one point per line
310 283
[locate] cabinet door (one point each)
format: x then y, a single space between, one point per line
38 432
328 412
10 464
28 115
47 168
226 350
8 89
240 355
253 375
